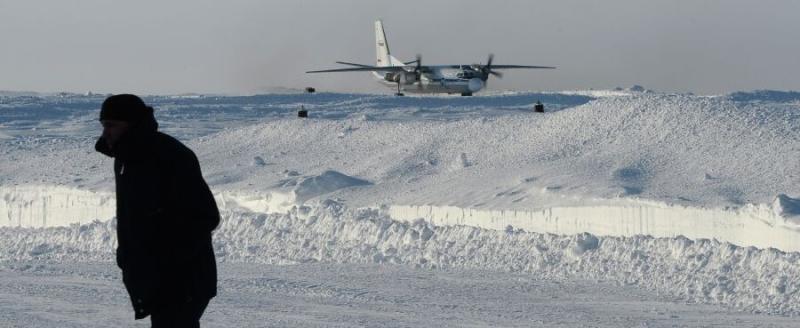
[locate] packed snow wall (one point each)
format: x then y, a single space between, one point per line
751 225
53 206
761 226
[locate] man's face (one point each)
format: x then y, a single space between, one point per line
113 130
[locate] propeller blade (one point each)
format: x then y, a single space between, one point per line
497 74
487 69
418 71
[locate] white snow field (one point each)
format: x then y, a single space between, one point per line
613 208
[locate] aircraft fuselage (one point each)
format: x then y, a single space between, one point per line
433 83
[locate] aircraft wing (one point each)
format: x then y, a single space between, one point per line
353 64
493 66
519 66
363 69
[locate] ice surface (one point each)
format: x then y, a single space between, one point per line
766 96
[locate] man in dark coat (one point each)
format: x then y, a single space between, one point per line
165 215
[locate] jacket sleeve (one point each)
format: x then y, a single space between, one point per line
189 213
190 195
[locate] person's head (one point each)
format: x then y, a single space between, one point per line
122 113
113 130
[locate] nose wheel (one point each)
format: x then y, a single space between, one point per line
466 94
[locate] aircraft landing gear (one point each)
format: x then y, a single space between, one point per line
466 94
399 94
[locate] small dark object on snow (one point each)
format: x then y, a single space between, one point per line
302 112
310 90
539 107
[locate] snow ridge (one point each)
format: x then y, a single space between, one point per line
703 271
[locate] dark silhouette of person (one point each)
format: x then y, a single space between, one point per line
165 216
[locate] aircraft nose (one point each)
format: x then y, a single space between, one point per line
475 84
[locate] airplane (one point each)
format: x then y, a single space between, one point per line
450 79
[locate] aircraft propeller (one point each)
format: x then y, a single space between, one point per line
487 69
418 71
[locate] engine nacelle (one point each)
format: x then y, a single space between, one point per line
475 84
408 78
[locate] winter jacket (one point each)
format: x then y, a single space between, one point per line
165 215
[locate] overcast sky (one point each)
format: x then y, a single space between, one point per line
251 46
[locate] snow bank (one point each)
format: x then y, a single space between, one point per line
752 225
639 163
53 206
705 271
764 226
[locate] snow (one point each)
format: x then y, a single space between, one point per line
693 198
329 181
761 226
338 295
53 206
772 96
787 208
701 271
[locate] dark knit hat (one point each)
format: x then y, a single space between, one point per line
125 107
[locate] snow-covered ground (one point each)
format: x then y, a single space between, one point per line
358 295
679 198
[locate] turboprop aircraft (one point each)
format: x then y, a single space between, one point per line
414 77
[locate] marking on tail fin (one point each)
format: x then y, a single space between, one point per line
382 53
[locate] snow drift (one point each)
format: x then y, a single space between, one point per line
702 270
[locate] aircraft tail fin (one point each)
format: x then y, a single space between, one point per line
382 46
